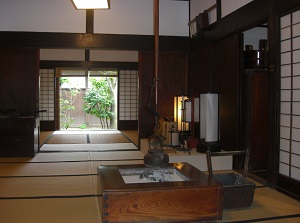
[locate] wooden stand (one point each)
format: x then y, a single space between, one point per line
19 137
238 191
196 200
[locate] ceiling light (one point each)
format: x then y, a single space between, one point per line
91 4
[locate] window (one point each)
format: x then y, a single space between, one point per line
47 94
289 159
128 95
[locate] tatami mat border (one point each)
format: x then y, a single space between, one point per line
49 197
266 219
91 151
70 161
128 138
35 176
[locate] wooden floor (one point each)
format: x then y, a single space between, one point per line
62 187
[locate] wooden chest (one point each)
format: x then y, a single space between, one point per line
197 199
238 192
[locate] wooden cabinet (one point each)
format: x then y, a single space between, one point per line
19 137
19 101
256 119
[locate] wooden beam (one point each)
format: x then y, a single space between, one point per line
47 64
89 21
91 41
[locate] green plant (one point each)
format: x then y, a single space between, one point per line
83 126
99 100
66 101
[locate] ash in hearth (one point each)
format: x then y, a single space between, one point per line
154 175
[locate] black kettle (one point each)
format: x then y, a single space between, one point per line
156 156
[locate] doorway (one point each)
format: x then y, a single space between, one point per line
255 100
88 99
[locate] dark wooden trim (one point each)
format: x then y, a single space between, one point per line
288 186
91 41
280 6
47 64
90 21
219 9
47 125
128 125
87 55
273 83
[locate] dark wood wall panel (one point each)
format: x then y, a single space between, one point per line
172 81
259 116
19 81
146 74
225 79
199 76
173 75
19 126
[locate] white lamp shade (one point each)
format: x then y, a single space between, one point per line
209 117
91 4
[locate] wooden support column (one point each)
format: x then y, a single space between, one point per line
156 46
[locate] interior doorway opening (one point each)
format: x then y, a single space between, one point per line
255 105
88 99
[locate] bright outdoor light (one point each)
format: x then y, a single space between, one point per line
91 4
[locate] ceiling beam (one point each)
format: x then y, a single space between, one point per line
91 41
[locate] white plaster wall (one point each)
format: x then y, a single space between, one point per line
136 17
41 16
62 54
124 17
229 6
198 6
113 55
95 55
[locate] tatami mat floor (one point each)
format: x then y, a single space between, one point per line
62 187
55 187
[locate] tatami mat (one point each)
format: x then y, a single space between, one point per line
117 155
53 210
95 164
84 132
83 137
267 203
77 156
107 138
32 187
67 139
87 147
50 157
44 169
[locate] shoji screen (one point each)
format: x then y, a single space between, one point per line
47 94
128 95
290 96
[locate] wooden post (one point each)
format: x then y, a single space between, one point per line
156 59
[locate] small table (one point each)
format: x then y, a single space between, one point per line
188 196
